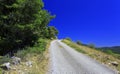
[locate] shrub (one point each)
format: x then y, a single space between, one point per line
67 38
21 53
78 42
4 59
109 52
91 45
38 48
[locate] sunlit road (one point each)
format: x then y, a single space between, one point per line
65 60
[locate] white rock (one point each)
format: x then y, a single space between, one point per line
29 63
16 60
6 66
114 63
109 63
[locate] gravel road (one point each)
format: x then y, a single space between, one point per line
66 60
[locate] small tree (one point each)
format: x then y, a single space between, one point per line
78 42
91 45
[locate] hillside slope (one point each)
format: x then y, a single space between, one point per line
115 49
34 60
95 54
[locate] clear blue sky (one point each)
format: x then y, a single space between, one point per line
90 21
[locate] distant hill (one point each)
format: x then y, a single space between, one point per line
115 49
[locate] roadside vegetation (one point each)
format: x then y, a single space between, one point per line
102 57
37 54
23 23
25 34
111 51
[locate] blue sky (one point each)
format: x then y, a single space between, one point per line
90 21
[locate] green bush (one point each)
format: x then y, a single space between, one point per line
109 52
38 48
21 53
78 42
67 38
4 59
91 45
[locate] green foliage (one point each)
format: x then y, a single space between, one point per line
114 49
109 52
73 45
78 42
67 38
50 32
4 59
37 48
22 23
91 45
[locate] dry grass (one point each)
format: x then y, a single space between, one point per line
39 64
95 54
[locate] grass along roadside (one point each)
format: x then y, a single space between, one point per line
95 54
38 55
